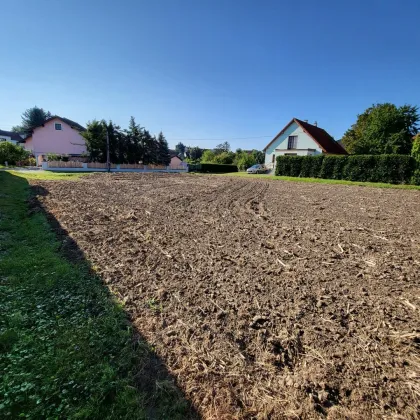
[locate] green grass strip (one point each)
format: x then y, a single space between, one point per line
323 181
67 349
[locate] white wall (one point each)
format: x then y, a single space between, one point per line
304 142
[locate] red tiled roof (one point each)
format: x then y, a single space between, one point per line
325 141
319 135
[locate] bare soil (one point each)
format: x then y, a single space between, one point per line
266 299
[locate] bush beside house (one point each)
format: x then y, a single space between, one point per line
415 153
394 169
12 153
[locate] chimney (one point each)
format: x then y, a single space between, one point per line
305 121
316 123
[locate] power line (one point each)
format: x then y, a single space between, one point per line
222 139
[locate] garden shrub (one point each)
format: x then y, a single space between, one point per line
29 161
316 165
306 167
415 179
245 160
332 166
395 169
12 153
415 153
295 165
361 168
283 165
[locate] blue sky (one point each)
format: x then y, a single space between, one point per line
209 70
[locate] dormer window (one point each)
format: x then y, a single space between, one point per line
58 126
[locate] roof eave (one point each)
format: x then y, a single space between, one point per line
281 132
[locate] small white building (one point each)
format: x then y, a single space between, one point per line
11 137
299 138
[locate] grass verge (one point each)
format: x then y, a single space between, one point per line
47 175
324 181
67 349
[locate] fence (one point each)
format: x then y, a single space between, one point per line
60 166
131 166
98 165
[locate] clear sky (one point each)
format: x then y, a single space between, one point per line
211 70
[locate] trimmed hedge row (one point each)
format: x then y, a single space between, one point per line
393 169
216 168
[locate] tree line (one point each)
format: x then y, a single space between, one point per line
221 154
132 145
380 129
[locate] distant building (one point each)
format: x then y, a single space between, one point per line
11 136
176 161
299 138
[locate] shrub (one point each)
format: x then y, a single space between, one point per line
295 165
30 161
306 166
316 165
395 169
214 168
194 167
360 168
283 165
245 161
332 166
415 179
12 153
415 150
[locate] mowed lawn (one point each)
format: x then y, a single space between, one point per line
322 181
67 349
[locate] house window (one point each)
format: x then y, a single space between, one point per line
58 126
292 144
273 158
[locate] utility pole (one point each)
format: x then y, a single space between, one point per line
108 163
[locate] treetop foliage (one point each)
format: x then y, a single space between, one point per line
32 118
383 129
132 145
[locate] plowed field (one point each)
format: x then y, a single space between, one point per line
265 299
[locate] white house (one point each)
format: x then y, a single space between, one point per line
10 136
299 138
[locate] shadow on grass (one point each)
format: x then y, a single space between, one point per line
86 359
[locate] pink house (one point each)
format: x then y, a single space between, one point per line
176 161
57 135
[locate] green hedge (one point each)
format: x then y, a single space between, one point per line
216 168
333 166
394 169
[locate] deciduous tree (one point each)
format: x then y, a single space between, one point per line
222 147
383 129
180 149
194 153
